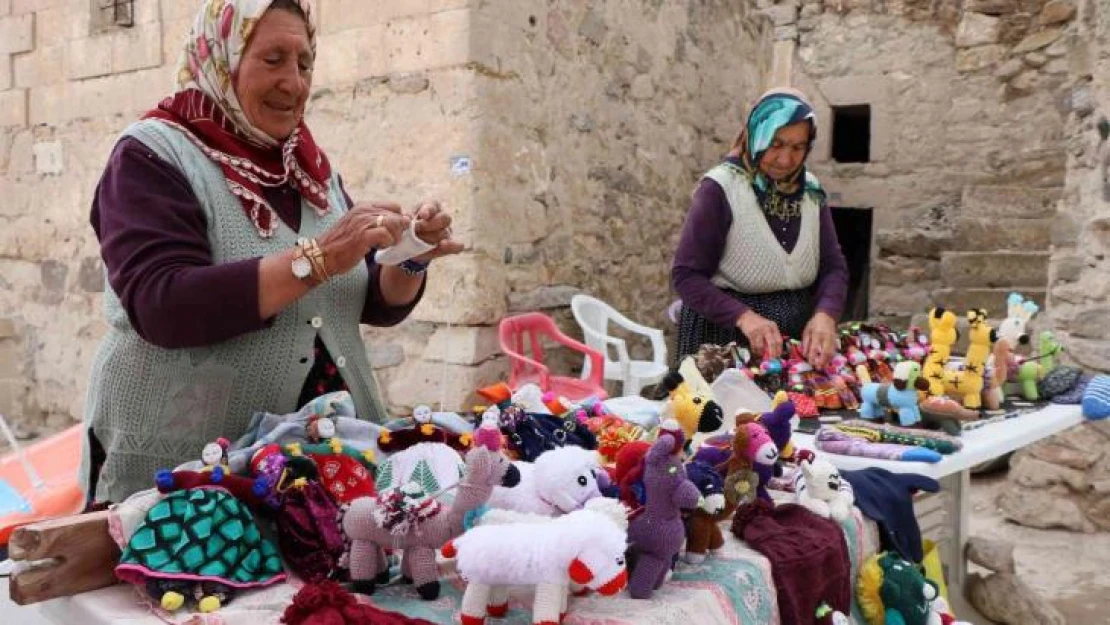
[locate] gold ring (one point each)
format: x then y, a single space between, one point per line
378 223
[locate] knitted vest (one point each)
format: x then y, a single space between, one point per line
154 408
754 261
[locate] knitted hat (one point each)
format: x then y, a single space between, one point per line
327 603
808 554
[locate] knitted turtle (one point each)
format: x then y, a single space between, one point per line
201 541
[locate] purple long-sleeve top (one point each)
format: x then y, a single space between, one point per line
154 242
702 244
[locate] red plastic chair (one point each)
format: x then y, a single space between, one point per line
530 329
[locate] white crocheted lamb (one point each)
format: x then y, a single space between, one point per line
584 546
561 480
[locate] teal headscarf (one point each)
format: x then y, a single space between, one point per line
775 110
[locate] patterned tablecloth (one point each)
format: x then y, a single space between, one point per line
734 588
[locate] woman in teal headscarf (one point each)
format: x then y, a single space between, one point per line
758 259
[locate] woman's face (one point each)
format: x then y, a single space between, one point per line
788 150
275 73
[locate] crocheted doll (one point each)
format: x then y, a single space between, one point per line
488 434
345 472
421 430
657 533
818 487
585 547
560 481
399 522
200 541
892 591
215 455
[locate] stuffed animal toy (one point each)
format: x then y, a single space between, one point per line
778 425
900 395
892 591
690 401
215 455
818 487
488 434
942 335
967 382
421 430
343 471
1016 375
585 547
560 481
200 542
400 521
944 413
753 449
703 531
656 535
628 473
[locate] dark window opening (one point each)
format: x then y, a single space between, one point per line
851 133
853 230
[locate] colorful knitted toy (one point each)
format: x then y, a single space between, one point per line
585 547
690 401
778 425
967 382
560 481
942 335
755 450
421 430
892 591
656 535
818 487
369 537
899 395
703 531
345 472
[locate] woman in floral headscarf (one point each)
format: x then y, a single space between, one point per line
238 269
758 258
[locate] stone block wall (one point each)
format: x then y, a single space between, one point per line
967 138
564 137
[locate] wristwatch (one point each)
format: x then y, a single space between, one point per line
413 267
302 267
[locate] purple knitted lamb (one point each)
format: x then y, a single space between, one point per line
657 533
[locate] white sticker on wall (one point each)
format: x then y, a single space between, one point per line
460 165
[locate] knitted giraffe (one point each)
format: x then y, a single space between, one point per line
967 383
942 335
420 539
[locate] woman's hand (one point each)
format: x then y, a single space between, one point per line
361 229
763 334
819 340
433 225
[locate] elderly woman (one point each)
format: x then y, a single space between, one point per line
238 269
758 258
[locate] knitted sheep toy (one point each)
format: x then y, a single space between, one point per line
561 480
657 533
584 546
818 487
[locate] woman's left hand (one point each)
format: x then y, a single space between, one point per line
433 225
819 340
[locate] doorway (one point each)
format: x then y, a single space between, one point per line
853 230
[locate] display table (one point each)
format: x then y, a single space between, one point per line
954 472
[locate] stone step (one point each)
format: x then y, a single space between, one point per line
995 201
994 269
977 234
991 300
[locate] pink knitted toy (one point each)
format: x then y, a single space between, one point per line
657 534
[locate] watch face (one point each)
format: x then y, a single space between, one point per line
301 267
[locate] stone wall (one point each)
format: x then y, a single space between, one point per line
1065 481
565 138
967 142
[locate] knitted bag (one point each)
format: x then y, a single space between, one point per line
308 532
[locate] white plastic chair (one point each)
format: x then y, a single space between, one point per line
594 316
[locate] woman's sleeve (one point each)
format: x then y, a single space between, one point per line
154 243
699 252
831 292
375 311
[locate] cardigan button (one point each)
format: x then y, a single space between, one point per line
317 322
341 362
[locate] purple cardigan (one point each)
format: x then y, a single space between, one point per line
702 244
154 242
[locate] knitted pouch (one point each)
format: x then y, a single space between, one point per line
308 532
1058 382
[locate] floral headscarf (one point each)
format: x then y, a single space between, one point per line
774 110
206 109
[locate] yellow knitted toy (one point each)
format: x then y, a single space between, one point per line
967 383
942 335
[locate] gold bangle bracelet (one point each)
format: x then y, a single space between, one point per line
316 258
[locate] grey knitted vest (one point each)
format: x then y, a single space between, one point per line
153 408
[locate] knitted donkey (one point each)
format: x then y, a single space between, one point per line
657 534
371 529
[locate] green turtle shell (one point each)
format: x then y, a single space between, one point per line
203 534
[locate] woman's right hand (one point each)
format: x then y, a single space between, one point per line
363 228
763 334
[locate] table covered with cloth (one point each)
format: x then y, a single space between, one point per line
735 587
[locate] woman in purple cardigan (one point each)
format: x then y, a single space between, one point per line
238 269
758 258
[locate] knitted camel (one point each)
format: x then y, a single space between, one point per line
657 534
420 538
